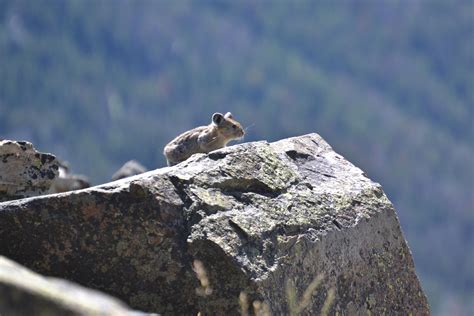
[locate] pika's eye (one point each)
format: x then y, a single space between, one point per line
234 126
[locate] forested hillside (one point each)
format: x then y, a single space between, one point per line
390 84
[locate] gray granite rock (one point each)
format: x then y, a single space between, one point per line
290 223
24 171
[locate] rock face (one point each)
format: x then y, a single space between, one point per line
262 219
24 172
23 292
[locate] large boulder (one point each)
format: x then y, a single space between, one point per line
23 292
291 223
24 171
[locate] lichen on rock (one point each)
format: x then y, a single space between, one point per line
24 171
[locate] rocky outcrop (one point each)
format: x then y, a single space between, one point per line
24 171
290 223
23 292
130 168
67 181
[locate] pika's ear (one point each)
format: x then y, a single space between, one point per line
217 118
228 115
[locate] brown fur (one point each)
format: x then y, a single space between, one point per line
203 139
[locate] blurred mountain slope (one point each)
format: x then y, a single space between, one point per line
388 84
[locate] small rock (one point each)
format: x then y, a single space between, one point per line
24 171
68 181
130 168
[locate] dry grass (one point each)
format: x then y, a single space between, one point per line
295 306
201 273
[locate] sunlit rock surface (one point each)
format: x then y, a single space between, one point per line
24 171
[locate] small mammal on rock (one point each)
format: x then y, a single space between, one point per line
203 139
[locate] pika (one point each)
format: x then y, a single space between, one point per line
203 139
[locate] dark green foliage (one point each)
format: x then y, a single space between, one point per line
388 83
